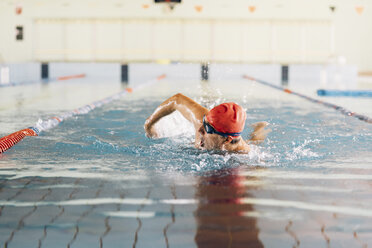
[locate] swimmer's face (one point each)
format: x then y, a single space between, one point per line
210 141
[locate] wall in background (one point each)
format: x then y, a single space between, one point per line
183 40
271 31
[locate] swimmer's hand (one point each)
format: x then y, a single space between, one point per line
150 130
259 132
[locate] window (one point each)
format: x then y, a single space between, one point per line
19 32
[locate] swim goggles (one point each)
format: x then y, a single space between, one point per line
209 129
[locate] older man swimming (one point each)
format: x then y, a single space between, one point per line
216 129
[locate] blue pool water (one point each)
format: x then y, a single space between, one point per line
97 181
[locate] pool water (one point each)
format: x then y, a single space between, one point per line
96 180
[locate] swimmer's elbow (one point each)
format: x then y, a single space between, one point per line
177 97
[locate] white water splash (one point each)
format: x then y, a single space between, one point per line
173 125
47 124
259 155
301 151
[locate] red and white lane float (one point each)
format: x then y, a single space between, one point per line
5 82
330 105
10 140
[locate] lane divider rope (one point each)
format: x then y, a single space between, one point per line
330 105
345 93
10 140
71 77
63 78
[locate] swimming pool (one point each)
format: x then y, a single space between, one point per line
96 180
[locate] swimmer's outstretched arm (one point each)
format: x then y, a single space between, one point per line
190 109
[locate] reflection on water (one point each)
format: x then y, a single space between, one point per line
222 219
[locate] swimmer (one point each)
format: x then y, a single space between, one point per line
215 129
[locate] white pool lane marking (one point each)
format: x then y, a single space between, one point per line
347 210
306 175
14 174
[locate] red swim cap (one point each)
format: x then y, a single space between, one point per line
227 118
